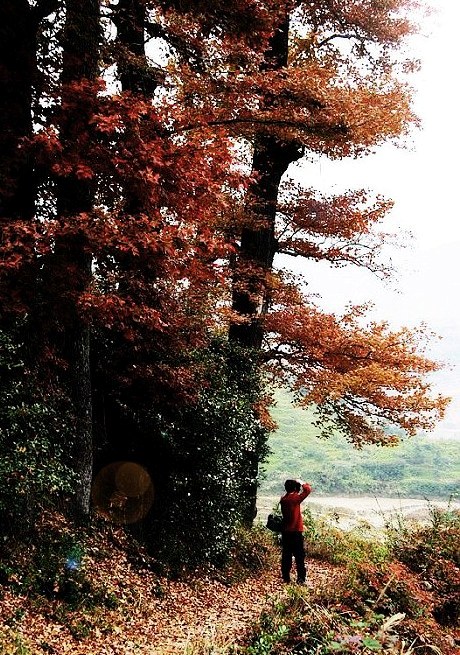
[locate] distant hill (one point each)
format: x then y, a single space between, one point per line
421 467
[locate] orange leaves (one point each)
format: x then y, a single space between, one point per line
171 219
339 229
334 88
339 97
357 23
83 172
367 377
147 615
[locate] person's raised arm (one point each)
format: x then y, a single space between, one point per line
306 490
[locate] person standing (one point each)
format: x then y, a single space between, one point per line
292 532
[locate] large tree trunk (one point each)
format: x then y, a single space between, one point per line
17 74
129 17
251 294
18 29
19 78
19 23
72 258
258 246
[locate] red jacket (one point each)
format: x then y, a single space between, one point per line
290 509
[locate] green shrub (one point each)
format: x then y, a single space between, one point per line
251 552
212 448
329 543
52 565
395 597
433 552
425 545
298 625
12 642
35 431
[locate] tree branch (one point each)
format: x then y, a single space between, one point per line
349 36
325 130
189 54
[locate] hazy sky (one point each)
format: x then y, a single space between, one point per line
423 182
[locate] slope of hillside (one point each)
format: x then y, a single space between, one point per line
110 599
420 467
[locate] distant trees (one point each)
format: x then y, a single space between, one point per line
143 207
410 469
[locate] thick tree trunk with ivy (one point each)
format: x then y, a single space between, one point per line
257 249
18 74
258 246
20 82
112 421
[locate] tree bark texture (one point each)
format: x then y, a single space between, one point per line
72 258
18 32
251 296
19 78
129 18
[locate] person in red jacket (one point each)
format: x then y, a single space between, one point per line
292 533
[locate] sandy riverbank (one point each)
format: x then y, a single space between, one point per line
348 512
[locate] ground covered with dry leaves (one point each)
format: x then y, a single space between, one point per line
116 605
98 592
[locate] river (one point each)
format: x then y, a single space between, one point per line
348 512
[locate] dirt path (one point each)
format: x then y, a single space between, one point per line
217 614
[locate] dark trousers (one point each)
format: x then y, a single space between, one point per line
292 543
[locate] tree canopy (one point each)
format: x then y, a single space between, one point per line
144 201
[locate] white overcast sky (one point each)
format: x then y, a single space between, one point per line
423 181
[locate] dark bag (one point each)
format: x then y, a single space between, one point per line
275 522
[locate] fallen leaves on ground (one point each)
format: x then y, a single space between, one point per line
153 615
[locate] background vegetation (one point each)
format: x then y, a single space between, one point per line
35 437
418 467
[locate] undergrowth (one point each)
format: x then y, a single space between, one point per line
251 553
398 595
85 581
327 542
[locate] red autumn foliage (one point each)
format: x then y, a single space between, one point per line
167 217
